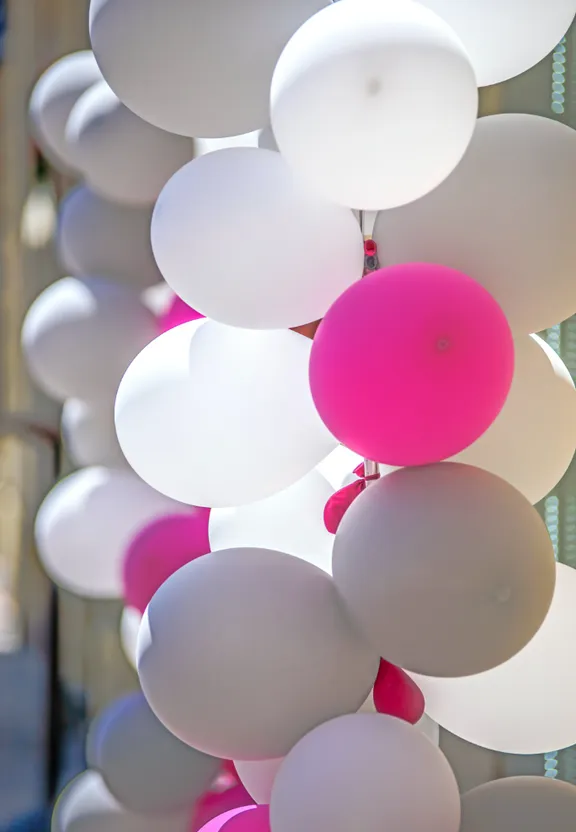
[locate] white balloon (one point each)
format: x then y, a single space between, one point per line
365 772
291 521
122 157
219 417
339 466
257 138
146 767
532 441
508 708
130 621
89 434
526 211
80 335
257 777
506 37
244 651
85 524
195 68
96 236
53 99
86 805
374 103
289 253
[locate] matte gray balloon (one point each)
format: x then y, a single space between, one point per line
52 101
145 766
80 335
86 805
244 651
501 217
89 434
520 804
192 67
449 570
96 236
122 157
365 773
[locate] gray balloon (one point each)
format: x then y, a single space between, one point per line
122 157
244 651
448 569
367 773
95 236
86 805
80 335
146 767
525 804
192 67
52 101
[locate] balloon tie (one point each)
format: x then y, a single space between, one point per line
340 502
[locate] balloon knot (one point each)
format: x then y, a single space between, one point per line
340 502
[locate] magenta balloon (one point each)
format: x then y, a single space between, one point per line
159 550
412 364
217 824
177 313
258 820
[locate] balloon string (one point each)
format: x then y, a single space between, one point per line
367 221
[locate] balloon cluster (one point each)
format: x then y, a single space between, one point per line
356 265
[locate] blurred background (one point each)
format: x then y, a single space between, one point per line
61 659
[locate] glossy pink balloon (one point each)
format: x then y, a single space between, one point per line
256 820
223 821
412 364
177 313
159 550
214 805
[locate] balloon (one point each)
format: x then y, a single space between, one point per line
533 439
177 313
192 68
291 253
258 777
218 822
291 521
527 803
258 138
373 103
526 211
85 524
160 549
369 772
99 237
86 805
80 335
506 37
122 157
256 820
339 465
305 662
129 626
89 434
396 694
425 725
53 99
448 569
181 424
432 393
508 708
147 768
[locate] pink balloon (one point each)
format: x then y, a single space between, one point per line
214 804
218 823
177 313
160 549
396 694
256 820
412 364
